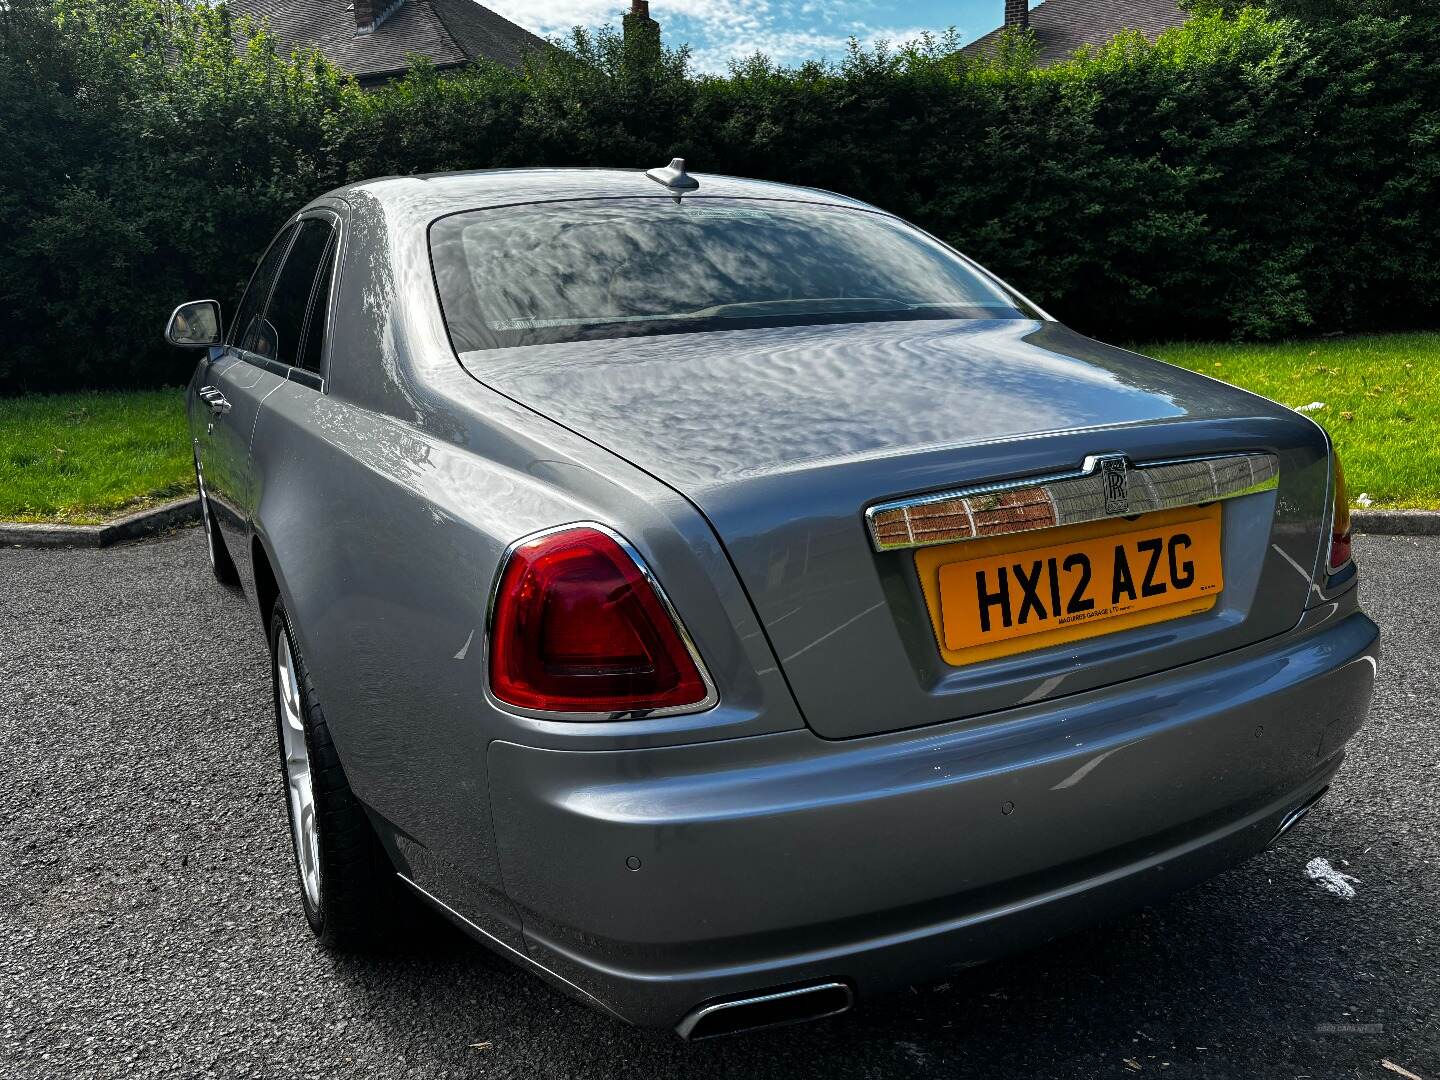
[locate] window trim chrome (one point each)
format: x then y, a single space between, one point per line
1263 470
317 381
705 704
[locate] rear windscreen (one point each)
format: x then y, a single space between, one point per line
566 271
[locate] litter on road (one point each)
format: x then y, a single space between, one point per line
1331 880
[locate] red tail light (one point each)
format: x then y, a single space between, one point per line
1339 519
578 627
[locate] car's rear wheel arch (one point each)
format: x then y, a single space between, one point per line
347 884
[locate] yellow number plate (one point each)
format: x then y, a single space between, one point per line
992 598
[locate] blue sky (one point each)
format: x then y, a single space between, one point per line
788 31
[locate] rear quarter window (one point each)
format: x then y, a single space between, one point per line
291 303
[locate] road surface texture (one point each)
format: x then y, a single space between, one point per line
150 926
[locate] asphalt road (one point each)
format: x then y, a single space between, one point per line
149 921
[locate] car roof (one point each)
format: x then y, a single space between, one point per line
447 193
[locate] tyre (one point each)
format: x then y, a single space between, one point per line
221 565
347 885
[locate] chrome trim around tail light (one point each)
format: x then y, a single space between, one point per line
1105 486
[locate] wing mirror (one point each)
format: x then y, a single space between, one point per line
194 325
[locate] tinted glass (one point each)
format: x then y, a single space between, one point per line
247 329
290 302
566 271
317 323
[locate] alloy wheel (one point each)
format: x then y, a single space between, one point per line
303 829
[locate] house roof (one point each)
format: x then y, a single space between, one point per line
1062 26
448 32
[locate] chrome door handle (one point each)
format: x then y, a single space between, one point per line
215 399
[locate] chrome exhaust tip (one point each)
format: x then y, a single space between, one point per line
1290 820
774 1009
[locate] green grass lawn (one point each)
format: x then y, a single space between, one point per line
1381 394
83 458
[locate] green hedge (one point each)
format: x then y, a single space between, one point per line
1247 176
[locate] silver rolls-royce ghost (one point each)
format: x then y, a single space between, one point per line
727 600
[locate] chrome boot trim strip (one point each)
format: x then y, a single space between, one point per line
1105 486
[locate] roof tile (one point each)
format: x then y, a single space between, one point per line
1062 26
447 32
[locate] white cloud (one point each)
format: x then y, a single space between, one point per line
558 16
720 31
552 17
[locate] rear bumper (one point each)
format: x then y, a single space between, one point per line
781 859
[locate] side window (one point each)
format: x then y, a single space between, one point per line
247 330
317 323
294 290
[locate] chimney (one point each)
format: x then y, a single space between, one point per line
1017 13
638 24
369 14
